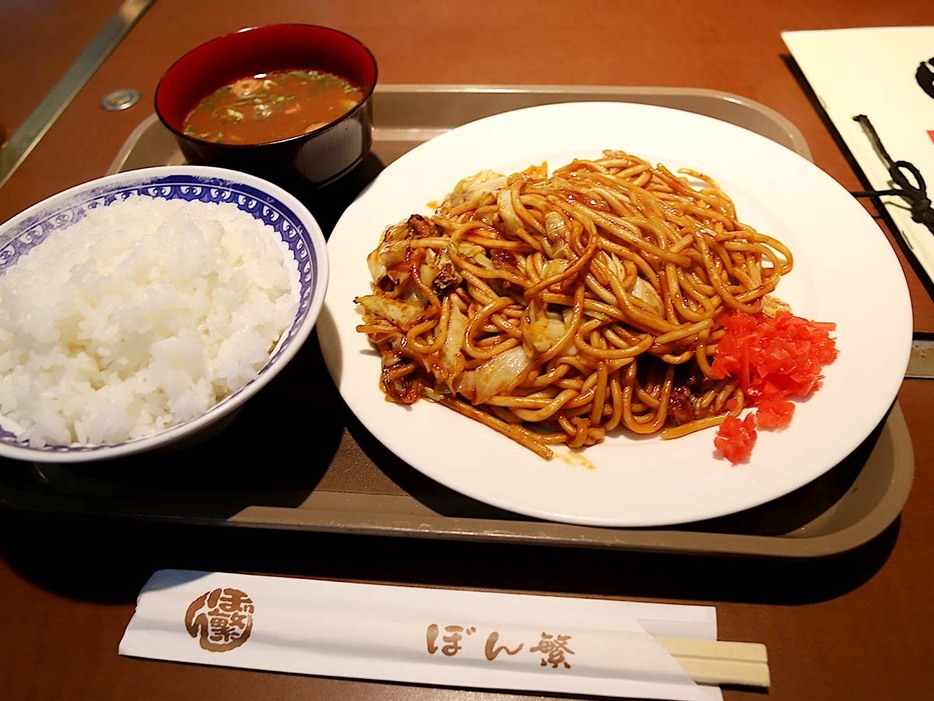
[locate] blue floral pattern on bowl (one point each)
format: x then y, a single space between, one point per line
61 212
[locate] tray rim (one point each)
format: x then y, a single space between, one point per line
796 138
886 511
530 532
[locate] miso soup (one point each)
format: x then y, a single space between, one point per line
271 106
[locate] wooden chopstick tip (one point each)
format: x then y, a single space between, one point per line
721 662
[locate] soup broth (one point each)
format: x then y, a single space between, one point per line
271 106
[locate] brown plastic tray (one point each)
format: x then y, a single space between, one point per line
349 483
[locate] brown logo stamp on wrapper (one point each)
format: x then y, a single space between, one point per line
221 619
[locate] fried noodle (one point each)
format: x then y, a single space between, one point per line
556 308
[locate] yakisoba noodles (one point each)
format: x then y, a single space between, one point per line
556 308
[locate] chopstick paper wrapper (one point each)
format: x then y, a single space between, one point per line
437 636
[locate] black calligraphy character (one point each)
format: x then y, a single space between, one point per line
492 649
925 76
554 648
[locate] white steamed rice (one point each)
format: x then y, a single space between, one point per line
140 316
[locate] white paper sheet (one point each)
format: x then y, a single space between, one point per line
442 637
872 71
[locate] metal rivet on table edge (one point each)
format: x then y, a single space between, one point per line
120 99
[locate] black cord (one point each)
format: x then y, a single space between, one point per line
915 193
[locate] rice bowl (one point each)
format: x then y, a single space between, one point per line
146 307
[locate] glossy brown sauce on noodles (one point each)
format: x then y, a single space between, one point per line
555 308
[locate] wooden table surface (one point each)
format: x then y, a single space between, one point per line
856 626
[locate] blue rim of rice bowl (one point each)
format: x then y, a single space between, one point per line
263 200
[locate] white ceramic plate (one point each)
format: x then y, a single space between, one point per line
845 272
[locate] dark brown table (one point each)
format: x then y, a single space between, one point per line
855 626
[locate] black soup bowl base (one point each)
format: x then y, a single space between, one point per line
308 163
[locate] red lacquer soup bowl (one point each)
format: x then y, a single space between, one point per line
287 102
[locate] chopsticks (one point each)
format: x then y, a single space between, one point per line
720 661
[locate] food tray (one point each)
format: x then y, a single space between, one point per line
349 483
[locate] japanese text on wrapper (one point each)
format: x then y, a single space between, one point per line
551 650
